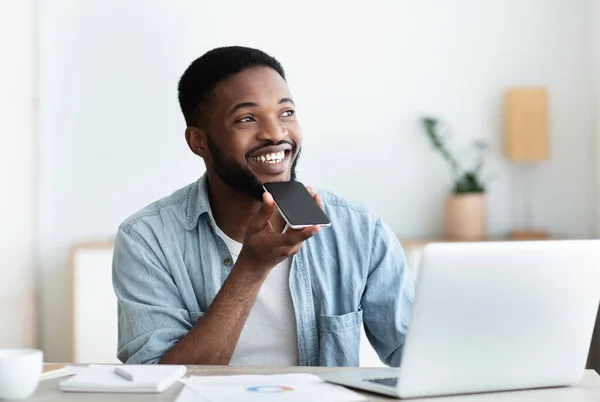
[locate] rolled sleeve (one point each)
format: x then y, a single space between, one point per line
388 297
152 315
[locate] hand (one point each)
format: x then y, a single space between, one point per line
315 197
263 247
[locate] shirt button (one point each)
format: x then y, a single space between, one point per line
227 261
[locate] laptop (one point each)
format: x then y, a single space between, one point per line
494 316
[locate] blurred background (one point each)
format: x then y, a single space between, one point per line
91 131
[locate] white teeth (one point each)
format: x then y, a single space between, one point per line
276 157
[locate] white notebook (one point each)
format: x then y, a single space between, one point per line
103 378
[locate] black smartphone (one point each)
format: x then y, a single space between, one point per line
296 205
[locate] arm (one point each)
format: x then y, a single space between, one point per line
388 297
213 339
152 316
154 324
153 319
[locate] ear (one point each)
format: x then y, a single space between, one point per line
196 140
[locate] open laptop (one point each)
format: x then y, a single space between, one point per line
494 317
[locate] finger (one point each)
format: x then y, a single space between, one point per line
297 236
317 199
261 219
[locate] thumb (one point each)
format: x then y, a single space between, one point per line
261 218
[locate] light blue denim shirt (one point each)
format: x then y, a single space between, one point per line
169 264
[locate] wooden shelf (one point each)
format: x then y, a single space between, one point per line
420 243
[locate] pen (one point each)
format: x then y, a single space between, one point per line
123 374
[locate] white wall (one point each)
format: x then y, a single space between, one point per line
594 24
112 135
17 291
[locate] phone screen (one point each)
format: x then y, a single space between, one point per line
296 204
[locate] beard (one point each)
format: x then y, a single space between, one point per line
239 177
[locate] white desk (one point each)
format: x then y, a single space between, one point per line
588 390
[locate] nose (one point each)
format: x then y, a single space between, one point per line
272 130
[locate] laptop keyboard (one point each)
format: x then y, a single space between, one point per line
390 381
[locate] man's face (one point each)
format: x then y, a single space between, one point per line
253 135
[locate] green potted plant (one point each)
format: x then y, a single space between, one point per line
465 206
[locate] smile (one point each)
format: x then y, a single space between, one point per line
271 158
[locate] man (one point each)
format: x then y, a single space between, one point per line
208 275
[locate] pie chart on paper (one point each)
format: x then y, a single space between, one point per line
269 389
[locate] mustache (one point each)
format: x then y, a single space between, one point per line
265 144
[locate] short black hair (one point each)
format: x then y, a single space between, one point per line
197 83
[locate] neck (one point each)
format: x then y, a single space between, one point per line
232 210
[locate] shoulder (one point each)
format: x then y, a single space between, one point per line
354 220
171 207
343 208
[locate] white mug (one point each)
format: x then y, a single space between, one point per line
20 371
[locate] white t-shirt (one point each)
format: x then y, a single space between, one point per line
269 336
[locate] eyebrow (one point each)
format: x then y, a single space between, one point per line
286 100
254 104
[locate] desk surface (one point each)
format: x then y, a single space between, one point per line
588 390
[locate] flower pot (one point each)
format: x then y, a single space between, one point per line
464 217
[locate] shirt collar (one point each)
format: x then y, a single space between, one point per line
198 203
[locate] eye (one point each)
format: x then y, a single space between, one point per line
288 113
247 119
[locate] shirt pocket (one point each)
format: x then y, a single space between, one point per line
195 316
339 339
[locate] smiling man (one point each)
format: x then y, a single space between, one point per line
209 275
